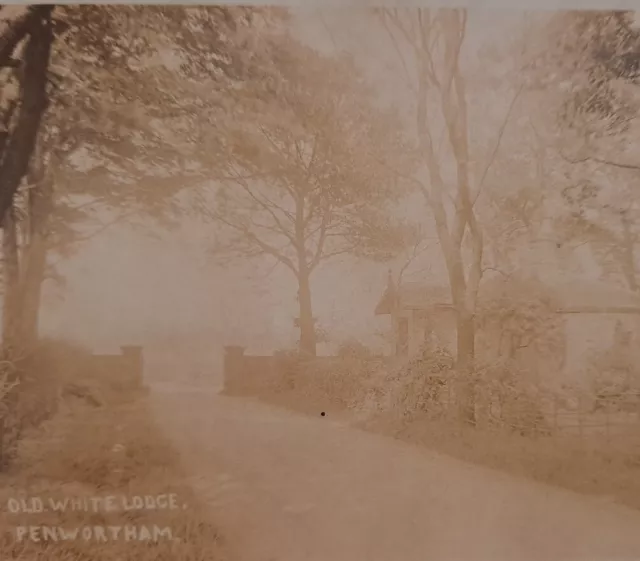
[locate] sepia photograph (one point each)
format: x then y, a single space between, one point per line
319 283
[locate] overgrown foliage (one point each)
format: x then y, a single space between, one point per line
519 313
598 54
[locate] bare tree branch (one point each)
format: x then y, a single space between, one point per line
597 160
415 251
252 237
497 143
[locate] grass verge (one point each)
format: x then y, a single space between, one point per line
590 466
89 451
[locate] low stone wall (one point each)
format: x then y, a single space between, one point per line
247 374
254 375
260 376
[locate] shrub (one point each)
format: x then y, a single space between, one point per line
428 386
614 379
353 348
10 426
340 380
516 318
424 384
53 366
508 397
420 385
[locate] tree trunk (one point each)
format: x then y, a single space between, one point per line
22 139
465 363
11 269
466 340
35 261
628 254
31 291
34 256
26 266
306 321
6 126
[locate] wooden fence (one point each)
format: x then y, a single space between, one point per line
599 420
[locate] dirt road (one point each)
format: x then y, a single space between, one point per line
285 487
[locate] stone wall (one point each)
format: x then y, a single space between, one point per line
247 374
256 376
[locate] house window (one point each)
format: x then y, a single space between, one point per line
403 337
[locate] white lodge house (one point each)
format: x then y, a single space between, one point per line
595 316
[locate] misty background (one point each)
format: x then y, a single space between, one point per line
131 285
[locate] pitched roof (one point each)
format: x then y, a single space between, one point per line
592 296
413 295
577 296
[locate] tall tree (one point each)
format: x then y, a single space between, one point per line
36 29
430 43
114 139
307 169
598 55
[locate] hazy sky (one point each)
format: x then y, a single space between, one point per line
124 287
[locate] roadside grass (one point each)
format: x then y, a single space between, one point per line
592 466
112 449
